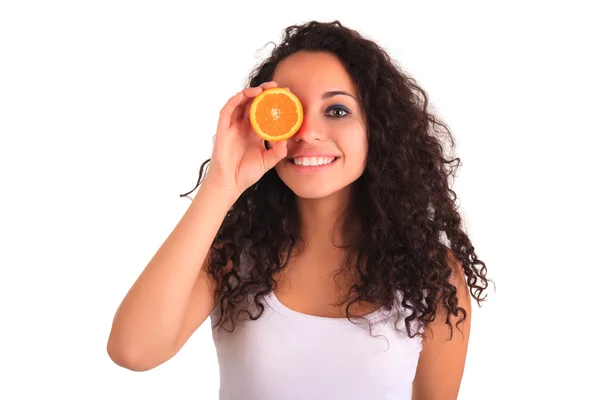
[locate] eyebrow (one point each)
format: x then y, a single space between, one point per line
333 93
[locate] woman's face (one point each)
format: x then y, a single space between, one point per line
333 133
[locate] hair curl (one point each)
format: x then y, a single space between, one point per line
404 202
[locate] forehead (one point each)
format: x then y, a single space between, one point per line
308 72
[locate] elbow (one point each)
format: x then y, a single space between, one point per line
127 357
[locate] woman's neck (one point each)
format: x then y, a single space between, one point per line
326 223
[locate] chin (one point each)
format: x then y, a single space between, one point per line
315 187
313 191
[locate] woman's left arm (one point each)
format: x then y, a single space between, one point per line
442 361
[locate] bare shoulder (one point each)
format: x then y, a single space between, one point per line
442 360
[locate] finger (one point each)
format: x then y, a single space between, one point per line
250 134
227 111
235 106
268 85
251 93
263 86
248 93
246 111
277 153
255 90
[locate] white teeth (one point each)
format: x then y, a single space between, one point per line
313 161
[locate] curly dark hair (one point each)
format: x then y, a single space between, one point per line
405 205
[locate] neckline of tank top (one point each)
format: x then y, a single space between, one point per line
283 310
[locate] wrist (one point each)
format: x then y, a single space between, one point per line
218 193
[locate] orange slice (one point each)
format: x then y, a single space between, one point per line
276 114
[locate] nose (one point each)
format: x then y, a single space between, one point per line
309 131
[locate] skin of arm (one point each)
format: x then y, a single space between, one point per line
442 361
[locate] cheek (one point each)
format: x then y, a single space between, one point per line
354 144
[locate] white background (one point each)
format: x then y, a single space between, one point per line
107 110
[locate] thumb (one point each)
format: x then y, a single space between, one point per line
275 154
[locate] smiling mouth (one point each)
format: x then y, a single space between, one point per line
312 161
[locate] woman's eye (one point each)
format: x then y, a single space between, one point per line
337 111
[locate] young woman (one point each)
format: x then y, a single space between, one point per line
351 279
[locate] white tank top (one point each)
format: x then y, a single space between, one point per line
294 356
